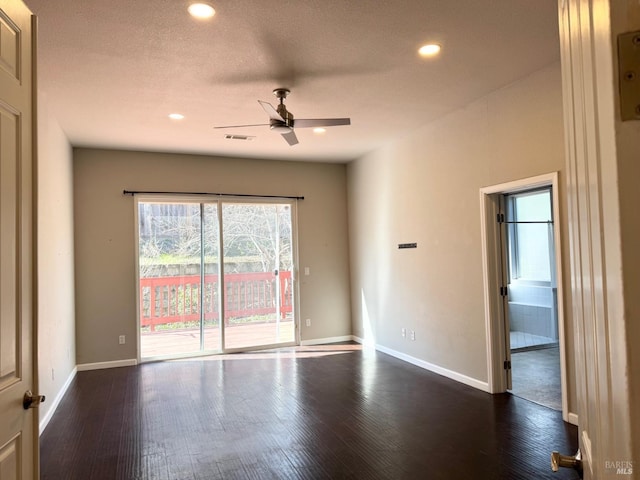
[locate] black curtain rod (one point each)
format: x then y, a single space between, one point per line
134 192
546 222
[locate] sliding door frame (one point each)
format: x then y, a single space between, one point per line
218 201
294 271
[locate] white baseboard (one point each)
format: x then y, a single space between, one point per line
113 364
44 421
323 341
458 377
573 419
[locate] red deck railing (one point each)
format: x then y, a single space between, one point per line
166 300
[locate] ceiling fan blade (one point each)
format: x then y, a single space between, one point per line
320 122
240 126
290 138
272 112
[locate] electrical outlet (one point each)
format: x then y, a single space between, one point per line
308 322
121 339
413 334
53 374
404 333
307 271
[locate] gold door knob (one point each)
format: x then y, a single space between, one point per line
564 461
32 401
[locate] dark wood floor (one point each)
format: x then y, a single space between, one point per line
296 415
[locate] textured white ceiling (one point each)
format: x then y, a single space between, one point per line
113 70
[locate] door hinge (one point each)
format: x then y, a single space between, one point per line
503 291
500 218
507 364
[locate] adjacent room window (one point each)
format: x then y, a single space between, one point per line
530 228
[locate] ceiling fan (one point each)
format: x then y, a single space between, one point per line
281 120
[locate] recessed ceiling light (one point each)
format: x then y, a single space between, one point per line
429 50
201 10
319 130
176 116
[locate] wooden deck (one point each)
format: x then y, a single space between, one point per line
179 342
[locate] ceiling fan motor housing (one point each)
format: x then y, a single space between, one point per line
282 127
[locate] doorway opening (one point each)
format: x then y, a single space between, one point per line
214 276
528 264
523 290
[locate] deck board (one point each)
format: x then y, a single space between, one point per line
167 343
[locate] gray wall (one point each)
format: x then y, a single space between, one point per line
425 189
105 244
56 310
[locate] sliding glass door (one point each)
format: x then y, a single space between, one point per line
170 277
258 262
214 276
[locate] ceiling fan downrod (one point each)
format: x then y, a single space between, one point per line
281 94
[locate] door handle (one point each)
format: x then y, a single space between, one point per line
32 401
565 461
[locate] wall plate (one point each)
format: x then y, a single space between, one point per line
629 75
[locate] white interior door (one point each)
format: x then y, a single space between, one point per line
598 147
18 426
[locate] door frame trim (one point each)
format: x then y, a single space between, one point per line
491 267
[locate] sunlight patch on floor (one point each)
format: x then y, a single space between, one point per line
307 351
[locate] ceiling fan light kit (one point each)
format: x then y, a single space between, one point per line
282 121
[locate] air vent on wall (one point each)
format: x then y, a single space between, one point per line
239 137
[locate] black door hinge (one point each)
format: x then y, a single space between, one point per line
503 291
500 218
507 364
